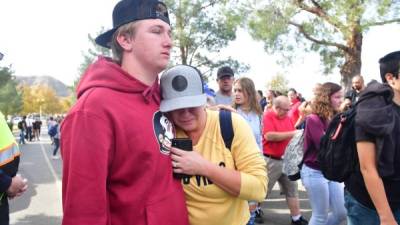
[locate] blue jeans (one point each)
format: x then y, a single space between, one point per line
252 218
21 137
252 213
326 198
358 214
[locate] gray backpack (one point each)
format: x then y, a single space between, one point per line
293 156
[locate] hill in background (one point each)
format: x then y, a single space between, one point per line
59 87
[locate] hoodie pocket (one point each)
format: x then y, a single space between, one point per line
170 210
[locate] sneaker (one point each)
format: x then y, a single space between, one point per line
300 221
55 157
259 214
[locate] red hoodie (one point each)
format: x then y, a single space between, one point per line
114 171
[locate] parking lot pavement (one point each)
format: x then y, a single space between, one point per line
41 204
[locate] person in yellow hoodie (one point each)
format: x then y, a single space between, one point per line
220 180
11 184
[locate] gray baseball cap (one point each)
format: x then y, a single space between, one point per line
181 87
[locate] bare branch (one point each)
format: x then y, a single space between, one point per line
316 4
198 46
211 3
321 42
382 23
319 11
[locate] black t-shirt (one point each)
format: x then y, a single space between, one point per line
352 95
37 124
355 184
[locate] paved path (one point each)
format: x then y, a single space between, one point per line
41 204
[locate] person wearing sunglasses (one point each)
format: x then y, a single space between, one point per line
115 170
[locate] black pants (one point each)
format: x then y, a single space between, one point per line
29 135
4 212
56 146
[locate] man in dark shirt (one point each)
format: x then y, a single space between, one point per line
373 193
261 99
351 97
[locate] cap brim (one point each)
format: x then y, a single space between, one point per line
225 75
183 102
104 39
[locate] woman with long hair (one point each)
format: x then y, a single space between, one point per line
271 94
326 197
305 108
246 104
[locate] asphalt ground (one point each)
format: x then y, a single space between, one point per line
41 203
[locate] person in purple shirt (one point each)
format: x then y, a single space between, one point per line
326 197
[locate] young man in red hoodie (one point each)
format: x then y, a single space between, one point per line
116 170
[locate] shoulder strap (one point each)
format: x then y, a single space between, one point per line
225 122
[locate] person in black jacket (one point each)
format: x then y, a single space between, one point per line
373 193
357 86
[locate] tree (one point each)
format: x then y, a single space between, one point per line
278 83
47 100
10 99
201 28
334 29
28 100
65 104
41 98
89 56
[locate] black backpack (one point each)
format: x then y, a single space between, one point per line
225 122
20 125
337 156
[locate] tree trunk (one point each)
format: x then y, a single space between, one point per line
352 63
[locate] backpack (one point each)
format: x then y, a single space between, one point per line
337 156
53 130
20 125
293 156
225 123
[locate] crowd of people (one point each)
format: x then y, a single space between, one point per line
119 153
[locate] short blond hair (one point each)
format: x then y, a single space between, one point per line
128 30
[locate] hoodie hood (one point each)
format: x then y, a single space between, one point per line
105 73
374 111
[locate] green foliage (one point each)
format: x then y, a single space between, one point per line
42 98
89 56
10 99
92 52
331 28
278 83
201 28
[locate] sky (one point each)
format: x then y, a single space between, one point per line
48 37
